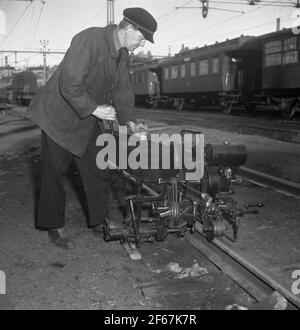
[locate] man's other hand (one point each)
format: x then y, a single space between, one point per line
137 128
105 112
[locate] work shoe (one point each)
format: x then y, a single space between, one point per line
61 239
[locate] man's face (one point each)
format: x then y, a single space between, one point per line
133 39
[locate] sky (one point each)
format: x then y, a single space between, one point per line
27 23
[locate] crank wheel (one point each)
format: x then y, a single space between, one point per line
210 181
213 228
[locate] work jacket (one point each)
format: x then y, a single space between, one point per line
91 73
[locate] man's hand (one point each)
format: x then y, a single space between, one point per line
137 128
105 112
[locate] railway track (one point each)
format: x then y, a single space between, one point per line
262 179
284 131
259 283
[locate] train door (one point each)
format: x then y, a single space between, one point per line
229 75
249 73
153 85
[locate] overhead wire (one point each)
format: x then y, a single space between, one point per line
18 20
90 19
30 23
37 24
264 3
212 26
86 23
253 27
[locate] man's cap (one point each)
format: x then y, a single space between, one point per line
142 20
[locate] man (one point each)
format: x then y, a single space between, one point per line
90 85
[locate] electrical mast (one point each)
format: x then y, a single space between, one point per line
110 12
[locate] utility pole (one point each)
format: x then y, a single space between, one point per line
42 51
278 24
110 12
44 43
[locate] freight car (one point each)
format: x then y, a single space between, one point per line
253 72
24 87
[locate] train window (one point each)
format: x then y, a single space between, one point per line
290 57
193 69
290 44
203 67
273 52
182 70
166 73
174 72
273 47
273 59
215 65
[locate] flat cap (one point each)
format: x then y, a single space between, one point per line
142 20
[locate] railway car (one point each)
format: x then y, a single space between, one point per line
268 73
197 77
5 91
24 87
146 80
254 72
192 78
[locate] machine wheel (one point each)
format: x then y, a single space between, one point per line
289 112
227 107
213 228
210 181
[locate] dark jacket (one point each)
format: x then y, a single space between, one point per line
88 76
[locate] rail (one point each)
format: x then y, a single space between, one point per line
266 180
257 282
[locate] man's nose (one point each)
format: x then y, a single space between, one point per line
142 43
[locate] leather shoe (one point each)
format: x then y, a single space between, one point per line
61 239
98 230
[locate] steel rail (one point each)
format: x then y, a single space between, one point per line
287 187
287 135
257 282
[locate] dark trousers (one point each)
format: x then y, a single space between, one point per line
55 162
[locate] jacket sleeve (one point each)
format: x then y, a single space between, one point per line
124 96
75 68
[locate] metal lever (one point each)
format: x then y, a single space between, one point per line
247 206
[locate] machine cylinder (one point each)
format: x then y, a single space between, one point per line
225 154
